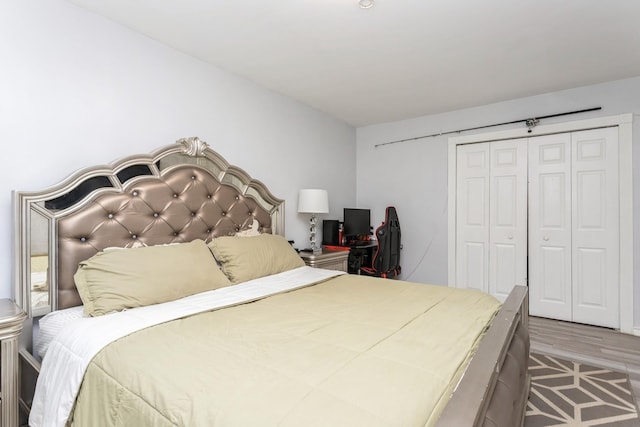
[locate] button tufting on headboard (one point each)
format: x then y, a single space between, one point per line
186 203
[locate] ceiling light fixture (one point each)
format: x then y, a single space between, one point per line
366 4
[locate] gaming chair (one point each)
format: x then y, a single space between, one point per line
386 260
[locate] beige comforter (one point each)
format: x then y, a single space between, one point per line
351 351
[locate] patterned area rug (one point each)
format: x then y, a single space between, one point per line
565 393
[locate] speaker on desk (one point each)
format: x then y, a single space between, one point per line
330 232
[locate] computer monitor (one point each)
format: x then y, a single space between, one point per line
357 222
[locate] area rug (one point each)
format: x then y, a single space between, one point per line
566 393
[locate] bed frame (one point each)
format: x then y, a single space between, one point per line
187 191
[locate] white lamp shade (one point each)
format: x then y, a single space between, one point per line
313 201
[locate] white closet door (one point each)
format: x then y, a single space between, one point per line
595 231
508 217
472 216
550 226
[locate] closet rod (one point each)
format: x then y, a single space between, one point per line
531 123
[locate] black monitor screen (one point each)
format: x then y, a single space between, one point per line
357 221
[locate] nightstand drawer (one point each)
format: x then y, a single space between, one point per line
331 260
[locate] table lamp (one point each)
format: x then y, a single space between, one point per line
313 201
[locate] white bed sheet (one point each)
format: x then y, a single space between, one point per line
73 348
51 324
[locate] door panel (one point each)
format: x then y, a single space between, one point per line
505 269
551 200
591 200
505 188
550 226
508 216
590 276
595 206
475 271
472 216
553 270
475 200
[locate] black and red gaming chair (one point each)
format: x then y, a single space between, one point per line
386 260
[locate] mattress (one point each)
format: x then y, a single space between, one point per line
350 350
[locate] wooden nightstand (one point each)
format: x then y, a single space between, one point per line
11 320
331 260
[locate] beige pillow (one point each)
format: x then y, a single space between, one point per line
246 258
117 280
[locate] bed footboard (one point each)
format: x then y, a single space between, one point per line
494 390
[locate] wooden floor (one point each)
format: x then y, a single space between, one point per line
588 344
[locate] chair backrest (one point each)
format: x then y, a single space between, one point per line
386 260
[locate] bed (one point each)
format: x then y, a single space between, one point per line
183 304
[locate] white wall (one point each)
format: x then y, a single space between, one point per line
78 90
413 175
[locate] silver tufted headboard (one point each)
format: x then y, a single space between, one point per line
177 194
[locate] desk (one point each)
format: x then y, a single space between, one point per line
360 254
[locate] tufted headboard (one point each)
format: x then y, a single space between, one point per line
177 194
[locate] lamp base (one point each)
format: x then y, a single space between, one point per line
312 235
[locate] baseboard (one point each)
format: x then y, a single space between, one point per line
636 332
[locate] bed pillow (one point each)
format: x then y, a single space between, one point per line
246 258
117 280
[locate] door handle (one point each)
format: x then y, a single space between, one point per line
510 236
545 238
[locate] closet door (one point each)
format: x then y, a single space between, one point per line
574 227
508 216
595 234
472 216
491 216
550 226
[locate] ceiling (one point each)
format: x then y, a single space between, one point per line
400 58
